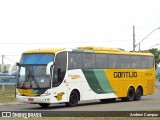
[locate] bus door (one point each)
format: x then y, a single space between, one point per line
59 71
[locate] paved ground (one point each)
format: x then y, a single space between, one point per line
147 103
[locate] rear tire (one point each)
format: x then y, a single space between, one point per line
138 94
73 100
44 105
131 94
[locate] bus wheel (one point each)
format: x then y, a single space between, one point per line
44 105
73 100
108 100
138 94
130 94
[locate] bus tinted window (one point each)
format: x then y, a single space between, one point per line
75 61
144 62
101 61
61 61
88 60
114 61
136 62
125 61
150 62
60 64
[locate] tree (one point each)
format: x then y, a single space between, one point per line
5 69
156 54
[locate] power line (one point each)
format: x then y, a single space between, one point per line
11 55
9 59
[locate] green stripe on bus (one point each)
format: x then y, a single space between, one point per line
92 81
34 91
41 91
103 80
38 91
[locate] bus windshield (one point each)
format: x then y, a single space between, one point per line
32 71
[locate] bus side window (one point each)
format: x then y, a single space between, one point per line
72 64
133 65
101 61
144 62
150 62
59 68
133 62
112 64
136 62
125 61
114 61
75 60
88 60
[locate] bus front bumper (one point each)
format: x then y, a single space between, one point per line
37 99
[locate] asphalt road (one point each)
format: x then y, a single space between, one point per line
147 103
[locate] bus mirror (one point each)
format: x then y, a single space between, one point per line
48 68
17 64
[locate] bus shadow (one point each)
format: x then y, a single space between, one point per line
60 106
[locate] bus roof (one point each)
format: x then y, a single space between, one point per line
87 49
110 51
100 49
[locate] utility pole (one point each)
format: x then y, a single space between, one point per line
2 59
2 66
134 41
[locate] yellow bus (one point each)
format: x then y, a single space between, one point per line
68 76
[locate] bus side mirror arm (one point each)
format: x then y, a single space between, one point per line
48 68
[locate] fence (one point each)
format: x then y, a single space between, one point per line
7 80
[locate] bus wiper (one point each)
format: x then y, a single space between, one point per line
33 79
26 79
30 77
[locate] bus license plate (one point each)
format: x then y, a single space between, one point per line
30 99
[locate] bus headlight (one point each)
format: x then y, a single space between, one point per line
46 93
17 93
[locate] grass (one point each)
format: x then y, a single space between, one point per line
8 95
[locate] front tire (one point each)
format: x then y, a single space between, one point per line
73 100
44 105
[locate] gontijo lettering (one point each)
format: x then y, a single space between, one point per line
125 74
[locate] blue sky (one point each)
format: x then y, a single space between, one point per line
31 24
